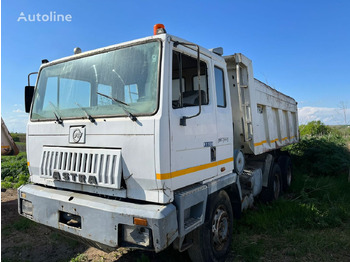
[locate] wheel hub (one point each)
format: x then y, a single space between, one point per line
220 227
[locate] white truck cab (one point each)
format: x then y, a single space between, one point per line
145 143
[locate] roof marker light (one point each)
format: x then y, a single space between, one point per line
158 29
77 50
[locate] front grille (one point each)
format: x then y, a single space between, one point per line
104 164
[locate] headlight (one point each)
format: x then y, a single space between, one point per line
27 207
137 235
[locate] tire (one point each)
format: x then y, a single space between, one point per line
274 185
286 172
212 240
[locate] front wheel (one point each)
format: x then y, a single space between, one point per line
212 241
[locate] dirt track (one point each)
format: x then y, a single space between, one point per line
23 240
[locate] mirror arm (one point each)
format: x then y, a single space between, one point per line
33 73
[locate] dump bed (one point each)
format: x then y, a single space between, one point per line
263 118
8 146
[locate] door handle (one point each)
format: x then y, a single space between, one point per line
213 153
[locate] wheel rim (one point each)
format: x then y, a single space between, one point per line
220 228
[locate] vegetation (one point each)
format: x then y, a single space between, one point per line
321 155
15 137
314 128
79 258
312 221
22 224
20 140
18 137
14 171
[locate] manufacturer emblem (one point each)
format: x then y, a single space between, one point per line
77 134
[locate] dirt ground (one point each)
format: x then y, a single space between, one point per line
24 240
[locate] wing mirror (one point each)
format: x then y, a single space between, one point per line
28 94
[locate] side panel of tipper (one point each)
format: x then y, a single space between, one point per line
264 119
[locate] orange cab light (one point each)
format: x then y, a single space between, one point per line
156 27
140 221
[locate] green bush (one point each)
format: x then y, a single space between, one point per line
14 170
321 155
18 137
314 128
15 137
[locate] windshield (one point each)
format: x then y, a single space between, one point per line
114 83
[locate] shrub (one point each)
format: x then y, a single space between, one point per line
321 155
15 137
314 128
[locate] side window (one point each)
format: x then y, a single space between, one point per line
185 93
220 87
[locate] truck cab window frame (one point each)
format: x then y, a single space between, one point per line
220 87
138 83
189 95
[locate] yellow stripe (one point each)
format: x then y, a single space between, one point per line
221 162
192 169
272 141
260 143
5 147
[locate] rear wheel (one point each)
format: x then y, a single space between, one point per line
212 241
286 172
273 189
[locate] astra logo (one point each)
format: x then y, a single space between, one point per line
50 17
73 177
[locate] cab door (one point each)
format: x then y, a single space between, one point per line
193 145
224 147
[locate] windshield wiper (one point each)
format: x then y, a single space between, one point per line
121 104
112 98
92 120
55 112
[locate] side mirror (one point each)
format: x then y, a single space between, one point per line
28 93
28 97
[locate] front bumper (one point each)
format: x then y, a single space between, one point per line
100 220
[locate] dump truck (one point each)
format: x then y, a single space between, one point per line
8 145
154 142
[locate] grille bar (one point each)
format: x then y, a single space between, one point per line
81 165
